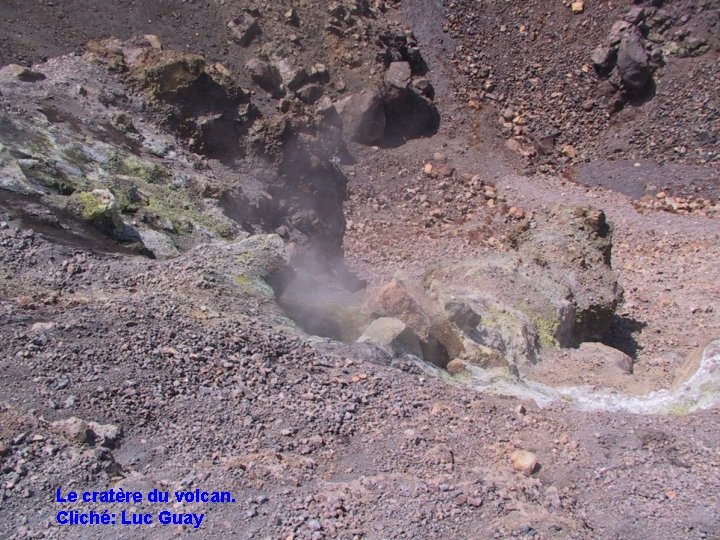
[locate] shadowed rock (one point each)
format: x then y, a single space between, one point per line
557 289
266 75
363 117
392 336
633 63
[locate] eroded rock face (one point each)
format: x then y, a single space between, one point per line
196 100
134 200
144 135
576 248
404 300
556 289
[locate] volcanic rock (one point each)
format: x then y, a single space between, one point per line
158 244
456 366
98 207
393 336
311 93
398 75
75 429
633 62
363 117
409 114
439 340
603 58
556 289
612 358
82 432
293 77
524 462
165 72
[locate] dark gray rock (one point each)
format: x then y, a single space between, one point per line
409 114
603 59
311 93
363 117
633 63
266 76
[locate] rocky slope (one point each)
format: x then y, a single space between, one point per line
285 250
584 80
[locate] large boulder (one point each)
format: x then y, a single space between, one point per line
98 207
363 117
409 112
399 110
158 244
633 62
440 341
494 333
555 289
573 252
559 277
243 28
393 336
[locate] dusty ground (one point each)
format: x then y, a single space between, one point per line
315 442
